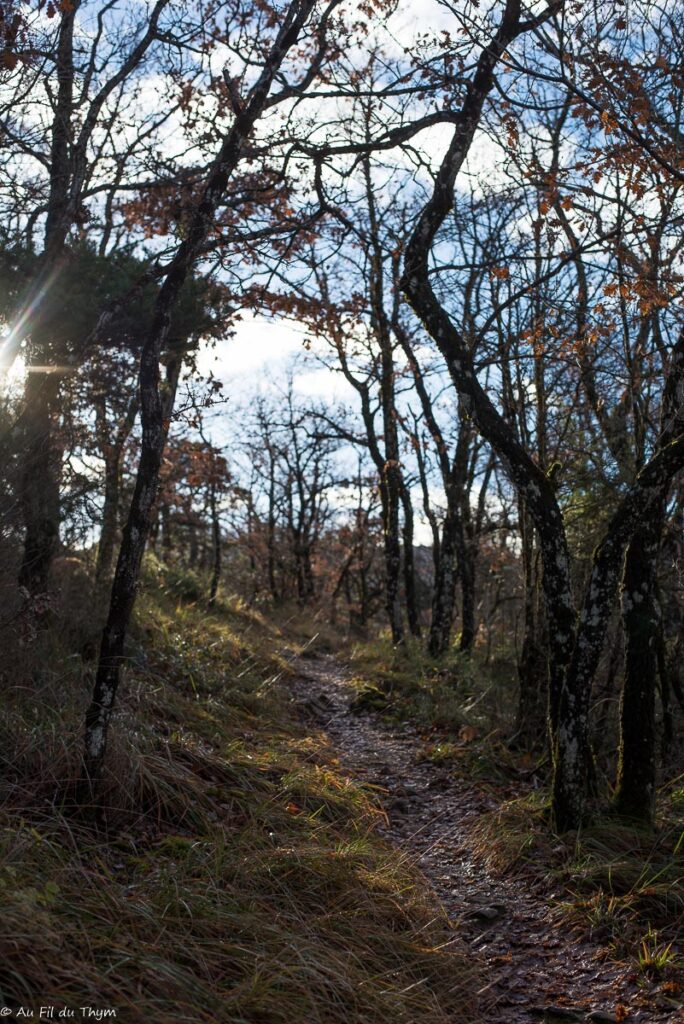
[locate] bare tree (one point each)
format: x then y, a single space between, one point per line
157 396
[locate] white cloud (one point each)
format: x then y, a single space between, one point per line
258 348
262 352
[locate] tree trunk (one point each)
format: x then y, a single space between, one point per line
665 693
574 648
303 572
271 530
635 791
112 453
110 519
412 613
392 550
533 663
640 504
155 427
389 465
41 477
156 401
467 575
216 540
444 593
40 486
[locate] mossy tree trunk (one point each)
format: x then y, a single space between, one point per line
574 646
635 790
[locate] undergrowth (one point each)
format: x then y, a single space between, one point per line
235 875
618 883
459 704
621 885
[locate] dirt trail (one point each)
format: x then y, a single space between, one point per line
534 970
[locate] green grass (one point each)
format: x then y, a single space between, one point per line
619 884
407 683
459 703
236 876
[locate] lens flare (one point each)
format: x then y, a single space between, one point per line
14 338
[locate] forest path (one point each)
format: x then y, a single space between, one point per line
534 969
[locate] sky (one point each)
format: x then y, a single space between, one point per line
257 359
261 352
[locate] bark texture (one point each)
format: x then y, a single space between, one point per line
636 778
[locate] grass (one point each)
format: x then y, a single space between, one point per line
460 705
620 885
406 683
237 875
616 883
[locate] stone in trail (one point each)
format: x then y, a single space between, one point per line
487 913
533 968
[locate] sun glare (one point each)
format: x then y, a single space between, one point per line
13 376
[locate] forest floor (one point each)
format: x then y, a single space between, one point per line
339 838
533 965
232 871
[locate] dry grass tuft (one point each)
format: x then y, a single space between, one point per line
622 885
235 877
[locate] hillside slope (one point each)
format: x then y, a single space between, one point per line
233 873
